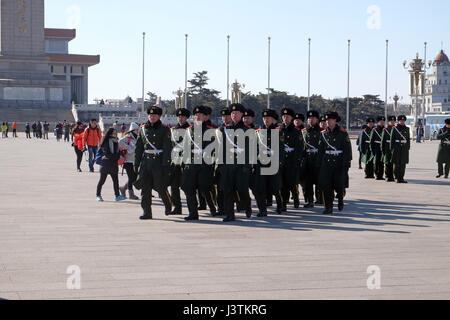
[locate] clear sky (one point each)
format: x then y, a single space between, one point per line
114 29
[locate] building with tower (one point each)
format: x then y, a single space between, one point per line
437 86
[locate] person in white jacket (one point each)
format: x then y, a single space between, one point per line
127 144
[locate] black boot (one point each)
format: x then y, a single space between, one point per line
147 215
328 211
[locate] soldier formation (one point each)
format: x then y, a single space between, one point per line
315 157
385 149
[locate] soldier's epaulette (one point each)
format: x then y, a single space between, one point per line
214 125
343 130
165 125
278 128
395 126
210 127
258 130
249 127
298 129
304 129
173 128
143 125
190 127
323 131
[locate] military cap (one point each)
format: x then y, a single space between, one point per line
369 120
447 121
208 110
249 113
225 112
312 114
154 110
200 109
237 107
183 113
289 112
392 118
270 113
323 119
381 118
299 116
402 117
332 115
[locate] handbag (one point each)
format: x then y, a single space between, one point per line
99 156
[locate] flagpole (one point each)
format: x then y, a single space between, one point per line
348 88
186 72
387 75
143 71
228 71
268 77
424 80
309 74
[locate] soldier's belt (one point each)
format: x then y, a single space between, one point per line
379 142
153 152
401 141
312 150
388 141
334 152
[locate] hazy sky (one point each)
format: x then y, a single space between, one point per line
114 29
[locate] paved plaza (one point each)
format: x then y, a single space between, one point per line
49 220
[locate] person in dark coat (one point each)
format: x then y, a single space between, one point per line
109 165
400 146
443 158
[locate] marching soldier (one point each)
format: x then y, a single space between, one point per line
249 118
152 161
176 171
262 185
335 156
299 121
400 146
443 157
364 147
293 144
311 138
319 195
375 147
386 149
197 174
234 176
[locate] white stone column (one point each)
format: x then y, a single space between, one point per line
86 85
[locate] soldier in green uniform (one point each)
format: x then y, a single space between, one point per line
234 176
226 121
375 148
443 157
386 149
201 199
267 184
299 123
153 155
196 173
293 144
400 146
335 156
364 147
319 194
311 138
176 166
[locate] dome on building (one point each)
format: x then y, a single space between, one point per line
441 58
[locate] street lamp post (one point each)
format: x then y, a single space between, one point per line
417 70
387 74
396 98
426 67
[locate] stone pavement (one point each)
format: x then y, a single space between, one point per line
49 220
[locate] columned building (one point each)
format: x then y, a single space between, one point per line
437 86
73 68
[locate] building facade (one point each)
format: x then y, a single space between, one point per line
437 86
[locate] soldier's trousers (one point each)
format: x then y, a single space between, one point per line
399 171
192 203
230 198
175 187
369 170
389 168
146 202
328 197
220 199
442 169
310 181
379 169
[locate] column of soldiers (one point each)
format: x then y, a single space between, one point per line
385 149
315 157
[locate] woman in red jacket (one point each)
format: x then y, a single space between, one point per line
78 145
